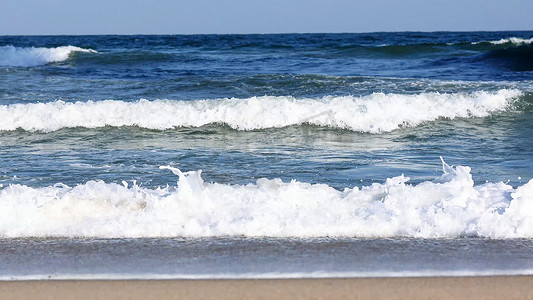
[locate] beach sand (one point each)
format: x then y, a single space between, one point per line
475 287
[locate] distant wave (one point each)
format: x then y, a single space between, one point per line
450 206
516 41
30 56
513 40
11 56
374 113
427 48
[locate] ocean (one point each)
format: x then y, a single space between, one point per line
266 156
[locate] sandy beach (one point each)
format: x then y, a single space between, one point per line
476 287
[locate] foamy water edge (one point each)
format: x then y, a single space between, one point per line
450 206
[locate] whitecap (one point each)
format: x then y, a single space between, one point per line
34 56
375 113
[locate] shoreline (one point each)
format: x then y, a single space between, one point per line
457 287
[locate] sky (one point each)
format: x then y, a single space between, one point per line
55 17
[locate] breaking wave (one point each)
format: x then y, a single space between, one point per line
513 40
450 206
374 113
31 56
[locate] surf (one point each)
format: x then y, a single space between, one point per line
448 207
375 113
11 56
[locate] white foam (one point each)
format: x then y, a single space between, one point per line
513 40
32 56
265 275
450 206
374 113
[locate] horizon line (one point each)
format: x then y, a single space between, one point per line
269 33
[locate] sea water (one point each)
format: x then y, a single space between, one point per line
295 155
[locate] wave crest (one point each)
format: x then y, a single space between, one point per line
450 206
31 56
513 40
374 113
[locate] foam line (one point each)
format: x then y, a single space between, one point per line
375 113
513 40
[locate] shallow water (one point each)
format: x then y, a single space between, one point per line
261 258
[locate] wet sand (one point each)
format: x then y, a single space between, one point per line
476 287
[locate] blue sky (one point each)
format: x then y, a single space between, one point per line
253 16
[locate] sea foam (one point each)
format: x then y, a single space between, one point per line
373 113
450 206
31 56
513 40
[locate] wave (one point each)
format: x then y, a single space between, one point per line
35 56
519 58
517 41
375 113
513 40
450 206
31 56
414 48
458 48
